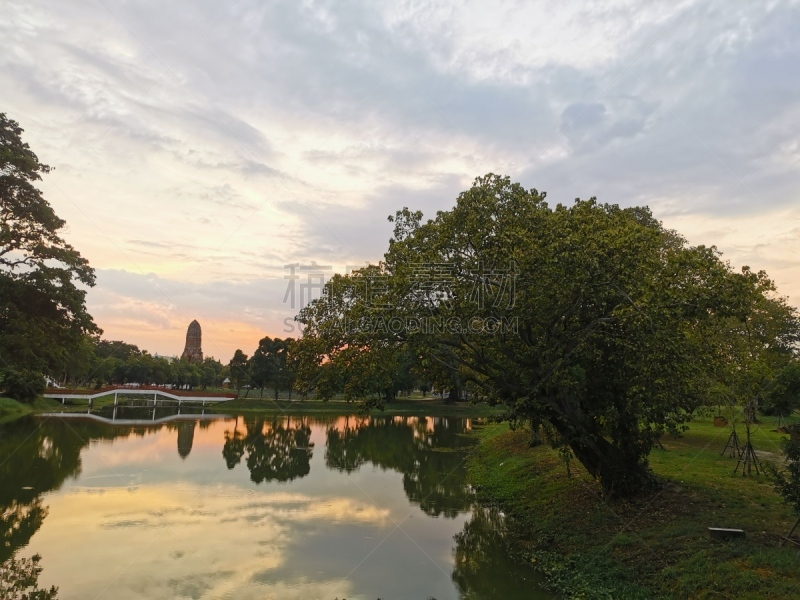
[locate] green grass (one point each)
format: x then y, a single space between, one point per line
418 407
11 409
655 546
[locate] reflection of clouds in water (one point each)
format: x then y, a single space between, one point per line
100 483
226 585
123 524
231 531
153 528
150 446
224 491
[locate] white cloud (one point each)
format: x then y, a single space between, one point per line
287 132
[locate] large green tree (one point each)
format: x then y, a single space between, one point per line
43 313
590 319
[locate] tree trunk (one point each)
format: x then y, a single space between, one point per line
621 474
536 436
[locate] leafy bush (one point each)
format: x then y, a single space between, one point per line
23 385
787 481
784 396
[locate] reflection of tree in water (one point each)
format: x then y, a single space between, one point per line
233 449
33 459
18 522
343 451
185 437
36 457
434 474
483 568
279 450
19 580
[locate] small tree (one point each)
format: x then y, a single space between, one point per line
784 396
268 365
239 370
23 385
261 369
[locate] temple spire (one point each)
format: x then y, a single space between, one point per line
193 351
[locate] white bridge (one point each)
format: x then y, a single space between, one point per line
163 394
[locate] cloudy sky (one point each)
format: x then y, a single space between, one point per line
200 147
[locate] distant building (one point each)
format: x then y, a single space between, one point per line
193 351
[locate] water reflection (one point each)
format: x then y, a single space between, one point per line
272 518
481 554
185 437
33 461
274 450
425 450
19 580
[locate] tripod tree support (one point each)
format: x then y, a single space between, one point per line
748 460
747 456
732 444
788 537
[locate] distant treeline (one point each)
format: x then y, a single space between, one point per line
290 365
104 362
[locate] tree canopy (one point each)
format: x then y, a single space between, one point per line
43 312
592 320
240 370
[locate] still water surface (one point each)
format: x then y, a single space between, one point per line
254 507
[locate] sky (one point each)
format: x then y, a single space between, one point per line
201 147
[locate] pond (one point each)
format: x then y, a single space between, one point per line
252 507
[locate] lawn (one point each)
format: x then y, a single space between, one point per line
655 546
11 409
400 406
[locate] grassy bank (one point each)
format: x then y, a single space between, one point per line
412 407
651 547
11 409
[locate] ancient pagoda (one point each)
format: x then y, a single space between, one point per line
193 352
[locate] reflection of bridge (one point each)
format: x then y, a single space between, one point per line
178 396
152 421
